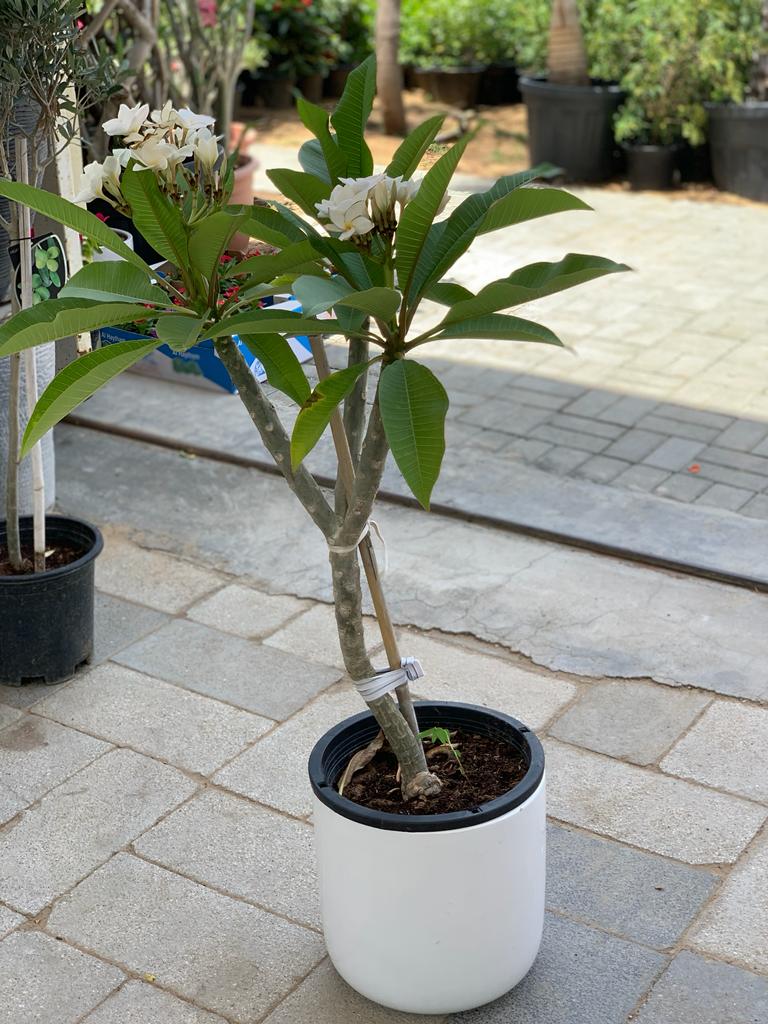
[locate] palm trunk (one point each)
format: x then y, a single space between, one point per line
389 74
567 56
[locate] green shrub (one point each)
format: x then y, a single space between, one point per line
454 33
351 22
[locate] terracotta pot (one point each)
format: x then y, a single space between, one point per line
242 193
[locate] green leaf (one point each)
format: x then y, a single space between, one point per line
317 294
266 224
379 302
418 215
351 116
64 212
271 321
269 266
316 411
447 293
533 282
282 367
409 153
312 160
528 204
501 327
178 331
156 215
113 281
303 189
413 407
79 381
334 162
210 237
60 318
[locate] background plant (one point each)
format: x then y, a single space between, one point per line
438 33
378 251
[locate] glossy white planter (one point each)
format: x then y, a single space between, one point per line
438 920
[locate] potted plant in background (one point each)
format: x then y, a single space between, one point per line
733 63
46 562
402 787
445 41
351 22
569 114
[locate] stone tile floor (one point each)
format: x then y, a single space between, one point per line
156 860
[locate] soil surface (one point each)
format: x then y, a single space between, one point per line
500 146
487 768
61 554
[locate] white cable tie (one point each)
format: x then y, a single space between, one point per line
345 549
388 679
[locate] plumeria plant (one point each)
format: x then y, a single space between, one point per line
365 247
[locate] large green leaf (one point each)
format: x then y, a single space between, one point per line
317 409
499 326
64 212
410 152
334 162
379 302
533 282
60 318
413 406
447 293
210 238
528 204
283 369
301 188
419 214
113 281
269 266
179 331
78 381
351 116
156 215
312 160
266 224
449 239
271 321
317 294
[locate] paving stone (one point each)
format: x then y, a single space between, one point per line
455 673
227 842
601 469
23 696
630 720
609 431
78 825
571 438
686 414
743 435
736 460
324 998
549 385
637 806
524 448
592 403
253 676
726 497
674 453
155 718
150 577
10 805
707 992
245 611
757 507
628 410
580 976
274 770
47 982
139 1003
733 477
562 460
313 636
637 895
9 920
36 755
119 623
683 487
673 428
225 955
8 715
634 445
733 925
641 478
508 417
727 748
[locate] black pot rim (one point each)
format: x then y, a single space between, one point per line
651 147
542 84
460 69
750 109
51 522
365 724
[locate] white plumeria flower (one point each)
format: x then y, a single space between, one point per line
188 119
111 169
166 117
382 196
91 184
205 146
123 156
406 191
155 155
128 122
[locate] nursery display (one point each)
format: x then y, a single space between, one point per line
421 793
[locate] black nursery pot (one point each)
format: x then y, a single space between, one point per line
571 126
275 91
46 619
651 167
333 84
457 87
738 140
499 85
694 163
311 87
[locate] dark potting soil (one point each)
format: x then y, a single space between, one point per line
491 768
55 557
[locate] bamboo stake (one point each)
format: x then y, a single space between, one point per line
30 360
365 547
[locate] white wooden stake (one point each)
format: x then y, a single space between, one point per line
69 167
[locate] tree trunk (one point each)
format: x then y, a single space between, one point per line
389 74
759 81
567 56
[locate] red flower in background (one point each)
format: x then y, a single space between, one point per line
103 217
207 10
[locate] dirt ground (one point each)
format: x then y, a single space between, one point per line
500 146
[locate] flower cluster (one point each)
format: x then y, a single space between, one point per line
359 206
161 142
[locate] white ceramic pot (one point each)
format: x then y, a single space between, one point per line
431 913
106 255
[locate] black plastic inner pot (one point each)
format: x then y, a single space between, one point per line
332 752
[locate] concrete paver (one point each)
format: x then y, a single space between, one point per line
695 989
139 1003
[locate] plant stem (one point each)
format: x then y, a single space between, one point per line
13 537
